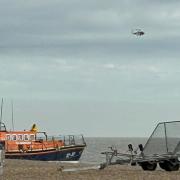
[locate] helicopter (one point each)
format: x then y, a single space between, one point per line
138 32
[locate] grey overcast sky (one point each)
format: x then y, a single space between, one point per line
73 66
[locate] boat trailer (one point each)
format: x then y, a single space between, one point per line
162 147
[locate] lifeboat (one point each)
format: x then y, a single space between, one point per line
37 145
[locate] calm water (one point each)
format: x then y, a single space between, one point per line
92 153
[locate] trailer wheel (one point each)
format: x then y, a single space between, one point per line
162 165
148 166
170 165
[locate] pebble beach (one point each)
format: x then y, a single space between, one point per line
37 170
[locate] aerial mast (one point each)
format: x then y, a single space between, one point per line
1 113
12 115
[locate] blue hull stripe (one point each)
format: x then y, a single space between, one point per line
65 154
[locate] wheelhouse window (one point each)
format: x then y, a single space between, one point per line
26 137
20 137
14 137
8 137
32 137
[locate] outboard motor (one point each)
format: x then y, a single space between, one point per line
141 148
130 147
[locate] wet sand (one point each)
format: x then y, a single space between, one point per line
22 169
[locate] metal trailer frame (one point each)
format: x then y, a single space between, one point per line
168 160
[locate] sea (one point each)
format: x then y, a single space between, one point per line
96 145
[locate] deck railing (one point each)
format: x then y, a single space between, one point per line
72 139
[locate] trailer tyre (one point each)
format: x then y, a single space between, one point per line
170 165
162 165
148 166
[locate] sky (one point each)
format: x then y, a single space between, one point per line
74 67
